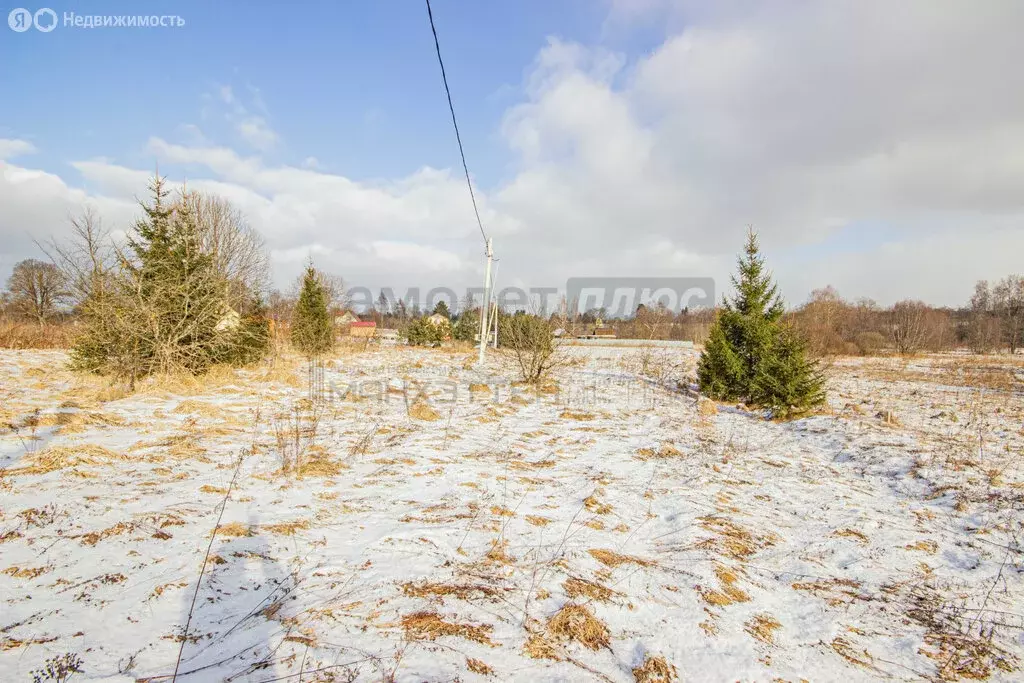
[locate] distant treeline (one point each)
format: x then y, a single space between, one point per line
44 299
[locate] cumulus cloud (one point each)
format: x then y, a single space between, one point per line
803 121
257 132
13 148
876 148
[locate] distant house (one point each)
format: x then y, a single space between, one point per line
438 319
598 332
229 321
361 328
346 318
387 334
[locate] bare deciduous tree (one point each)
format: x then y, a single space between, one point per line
822 320
1008 303
907 327
36 289
237 250
983 327
85 258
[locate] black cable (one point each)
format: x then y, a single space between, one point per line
206 558
455 123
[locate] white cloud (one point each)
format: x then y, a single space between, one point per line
416 257
15 148
806 121
257 132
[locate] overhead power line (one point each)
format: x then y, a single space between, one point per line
455 123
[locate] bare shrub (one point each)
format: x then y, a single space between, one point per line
295 433
23 335
869 343
529 341
58 669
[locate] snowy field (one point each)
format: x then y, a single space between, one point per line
438 523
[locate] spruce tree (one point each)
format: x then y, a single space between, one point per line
159 311
441 308
467 326
312 331
751 354
785 379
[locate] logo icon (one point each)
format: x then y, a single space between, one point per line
42 24
20 19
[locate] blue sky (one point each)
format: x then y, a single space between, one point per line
881 152
353 84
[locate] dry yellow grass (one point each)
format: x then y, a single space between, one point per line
206 488
851 533
706 407
575 587
463 591
478 667
234 530
988 372
537 520
284 370
835 592
845 649
763 627
286 528
539 647
664 451
160 589
594 505
930 547
201 408
61 457
523 465
184 447
430 626
94 537
498 553
733 539
655 670
320 465
576 623
12 643
76 421
423 411
610 558
576 415
729 593
25 572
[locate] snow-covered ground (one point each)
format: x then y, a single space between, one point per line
446 525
